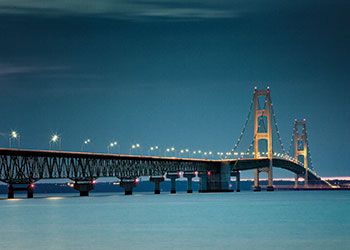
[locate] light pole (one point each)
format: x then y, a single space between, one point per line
220 154
55 139
194 153
85 143
205 155
151 149
172 149
134 147
14 135
111 145
182 151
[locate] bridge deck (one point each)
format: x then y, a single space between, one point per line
38 164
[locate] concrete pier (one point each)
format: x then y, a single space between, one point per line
189 176
173 176
128 185
12 187
156 180
203 181
237 174
84 187
215 179
296 184
257 187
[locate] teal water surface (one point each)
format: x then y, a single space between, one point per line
246 220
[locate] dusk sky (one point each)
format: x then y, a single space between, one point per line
175 73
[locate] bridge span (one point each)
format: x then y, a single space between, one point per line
20 168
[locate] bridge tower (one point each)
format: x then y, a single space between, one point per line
300 147
259 117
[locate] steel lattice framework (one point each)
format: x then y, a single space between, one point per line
25 166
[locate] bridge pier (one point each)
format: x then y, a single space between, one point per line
157 180
238 181
270 187
173 176
203 181
84 186
296 184
12 187
306 179
257 187
128 185
10 191
215 180
189 176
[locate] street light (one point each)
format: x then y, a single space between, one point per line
87 141
166 151
173 150
154 148
194 153
205 155
182 151
14 135
111 145
55 139
220 154
134 146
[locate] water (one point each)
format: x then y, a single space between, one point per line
246 220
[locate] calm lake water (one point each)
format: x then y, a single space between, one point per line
246 220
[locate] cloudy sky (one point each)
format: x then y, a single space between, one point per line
174 73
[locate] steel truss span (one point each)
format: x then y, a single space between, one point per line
25 166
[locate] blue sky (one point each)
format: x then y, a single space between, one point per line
174 73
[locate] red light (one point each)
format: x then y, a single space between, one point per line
137 180
93 182
195 172
208 173
32 185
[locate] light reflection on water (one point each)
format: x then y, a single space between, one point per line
246 220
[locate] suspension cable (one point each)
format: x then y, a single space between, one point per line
277 129
244 127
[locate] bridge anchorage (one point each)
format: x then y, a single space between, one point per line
20 168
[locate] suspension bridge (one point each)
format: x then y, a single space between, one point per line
20 168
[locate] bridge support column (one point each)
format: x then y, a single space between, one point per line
12 187
128 185
296 184
217 179
203 181
189 176
84 187
10 191
238 181
269 187
257 187
173 176
30 191
157 180
306 179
